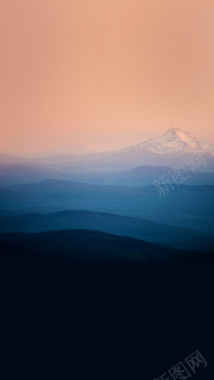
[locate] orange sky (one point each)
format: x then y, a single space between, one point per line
104 72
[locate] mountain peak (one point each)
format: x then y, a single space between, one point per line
172 129
171 132
175 130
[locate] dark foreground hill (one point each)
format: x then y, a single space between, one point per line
178 237
85 245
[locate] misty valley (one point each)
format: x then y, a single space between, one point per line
113 206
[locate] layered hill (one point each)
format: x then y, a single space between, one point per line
185 206
109 223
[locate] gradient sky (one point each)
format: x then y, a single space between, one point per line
105 72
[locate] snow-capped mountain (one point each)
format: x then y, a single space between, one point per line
173 141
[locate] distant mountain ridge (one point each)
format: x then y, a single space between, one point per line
170 149
72 148
144 175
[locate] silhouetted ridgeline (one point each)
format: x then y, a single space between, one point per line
86 245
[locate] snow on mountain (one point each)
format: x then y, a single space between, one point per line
207 146
173 141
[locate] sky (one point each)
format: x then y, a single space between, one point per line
105 73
